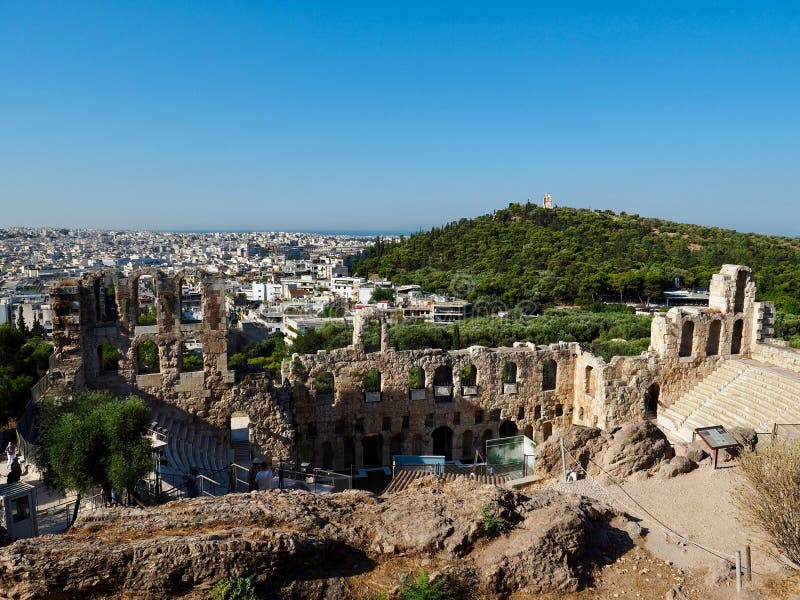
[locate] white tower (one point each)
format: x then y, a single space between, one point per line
547 202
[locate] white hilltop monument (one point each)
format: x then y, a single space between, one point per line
547 202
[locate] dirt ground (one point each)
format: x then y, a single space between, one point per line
690 526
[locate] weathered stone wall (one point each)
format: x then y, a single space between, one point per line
528 389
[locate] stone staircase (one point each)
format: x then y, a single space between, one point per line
189 444
740 392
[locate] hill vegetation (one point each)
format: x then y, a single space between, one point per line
525 255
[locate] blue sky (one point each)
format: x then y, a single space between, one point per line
396 116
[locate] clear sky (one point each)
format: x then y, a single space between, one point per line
396 115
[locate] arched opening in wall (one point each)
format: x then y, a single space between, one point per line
528 432
651 401
108 358
588 380
323 386
191 355
145 309
443 384
738 299
416 384
712 344
507 429
559 408
348 452
549 374
191 300
469 380
687 339
537 412
372 335
547 430
327 455
580 414
736 336
487 435
417 445
510 378
372 385
147 359
372 445
466 445
443 442
105 294
396 444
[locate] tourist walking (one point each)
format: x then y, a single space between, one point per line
191 482
264 478
11 453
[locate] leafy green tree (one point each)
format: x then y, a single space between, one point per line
382 294
94 438
21 325
37 329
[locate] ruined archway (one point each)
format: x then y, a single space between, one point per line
469 380
372 446
741 284
687 339
508 429
651 401
191 299
443 383
588 380
712 344
736 336
466 445
549 374
443 442
147 358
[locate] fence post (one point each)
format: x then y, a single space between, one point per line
738 571
564 459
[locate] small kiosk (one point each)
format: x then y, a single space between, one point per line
18 511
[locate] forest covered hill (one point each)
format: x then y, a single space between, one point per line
528 254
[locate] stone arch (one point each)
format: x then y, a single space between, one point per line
190 297
712 343
191 355
549 374
507 429
147 357
107 358
371 382
736 335
372 447
443 442
741 285
466 444
687 338
144 300
588 380
324 385
487 435
416 378
547 430
651 397
327 455
443 383
469 380
105 299
510 372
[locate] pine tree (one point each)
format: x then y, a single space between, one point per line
21 325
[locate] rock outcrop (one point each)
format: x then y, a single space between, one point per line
317 546
639 447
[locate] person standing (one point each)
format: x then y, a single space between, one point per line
191 482
11 452
264 478
15 473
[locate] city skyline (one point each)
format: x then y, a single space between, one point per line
361 117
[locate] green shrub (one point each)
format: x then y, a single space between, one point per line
423 589
492 523
234 588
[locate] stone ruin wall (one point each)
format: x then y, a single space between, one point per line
295 420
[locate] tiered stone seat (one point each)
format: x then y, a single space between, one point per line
741 392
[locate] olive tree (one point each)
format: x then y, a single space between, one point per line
92 439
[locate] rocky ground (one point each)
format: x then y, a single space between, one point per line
558 543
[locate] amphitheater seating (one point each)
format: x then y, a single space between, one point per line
190 443
740 392
402 479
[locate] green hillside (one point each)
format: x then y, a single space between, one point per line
529 254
